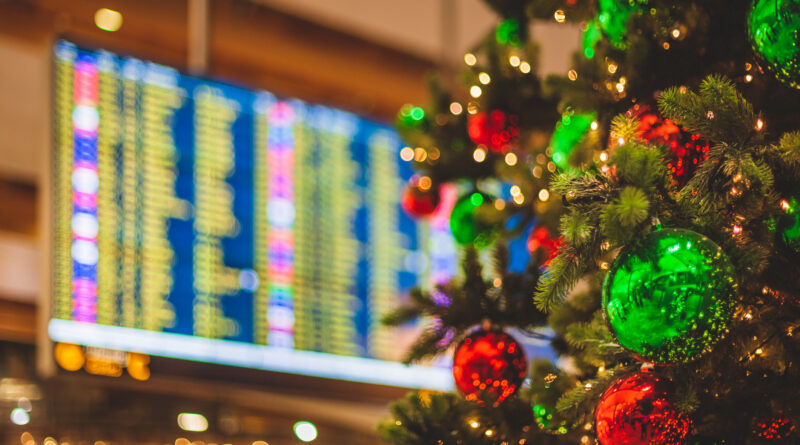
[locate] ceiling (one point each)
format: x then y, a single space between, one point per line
437 30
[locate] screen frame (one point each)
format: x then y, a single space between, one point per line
170 365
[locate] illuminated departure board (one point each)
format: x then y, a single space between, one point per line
202 221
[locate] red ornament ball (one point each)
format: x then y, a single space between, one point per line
686 150
497 130
639 410
489 366
777 428
540 242
418 202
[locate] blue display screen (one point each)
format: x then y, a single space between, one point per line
202 221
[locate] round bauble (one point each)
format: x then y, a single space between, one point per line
789 225
541 244
497 130
669 297
639 410
489 366
773 30
686 150
420 203
475 220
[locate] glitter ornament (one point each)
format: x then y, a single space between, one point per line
776 428
420 203
497 130
639 410
669 297
489 366
475 220
773 30
686 150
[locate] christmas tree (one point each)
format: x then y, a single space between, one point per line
662 178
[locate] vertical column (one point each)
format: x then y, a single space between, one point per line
132 72
63 161
386 255
85 184
108 192
214 218
326 248
160 99
261 108
280 215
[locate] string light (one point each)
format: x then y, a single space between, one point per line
511 159
537 172
515 190
475 91
499 204
676 33
420 154
474 424
544 195
424 183
484 78
785 206
108 19
456 108
514 61
737 229
612 67
489 433
560 16
525 67
572 75
665 46
603 156
407 154
594 126
470 59
519 199
748 78
759 124
479 155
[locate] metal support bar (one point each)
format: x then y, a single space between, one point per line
198 27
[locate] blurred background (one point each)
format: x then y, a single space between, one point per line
351 62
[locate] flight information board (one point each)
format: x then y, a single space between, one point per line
202 221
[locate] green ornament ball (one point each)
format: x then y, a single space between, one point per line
613 16
789 226
509 32
773 30
474 220
669 297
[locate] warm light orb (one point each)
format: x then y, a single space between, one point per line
475 91
305 431
108 19
19 416
470 59
192 422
